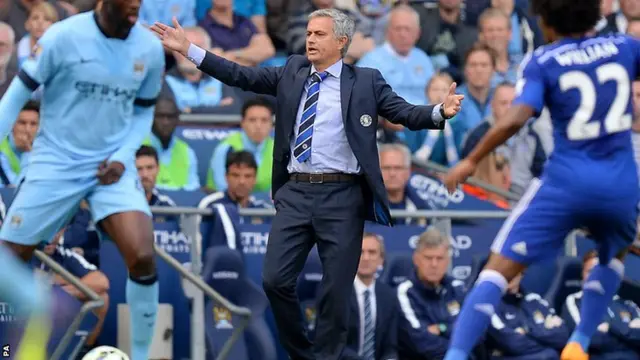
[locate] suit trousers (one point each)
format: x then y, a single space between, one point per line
330 215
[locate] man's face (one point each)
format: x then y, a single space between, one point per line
636 100
450 4
321 42
403 31
479 69
496 33
586 267
371 257
241 180
6 48
257 123
123 14
501 101
188 69
147 171
25 129
323 4
165 119
630 8
432 263
633 28
395 171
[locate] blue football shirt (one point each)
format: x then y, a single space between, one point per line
586 85
93 88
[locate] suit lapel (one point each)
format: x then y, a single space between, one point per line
346 86
296 96
379 306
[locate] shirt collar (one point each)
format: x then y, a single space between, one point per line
251 146
334 70
157 144
387 46
361 287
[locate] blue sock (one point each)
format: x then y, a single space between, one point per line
597 293
142 297
476 313
19 287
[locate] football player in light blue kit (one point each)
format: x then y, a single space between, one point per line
590 180
101 73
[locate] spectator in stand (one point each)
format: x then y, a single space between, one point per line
479 67
254 137
88 274
297 34
16 13
406 68
195 91
41 17
617 22
495 32
234 36
395 165
373 321
441 147
493 170
430 300
373 16
278 13
525 327
444 36
240 173
633 28
524 150
7 70
17 145
255 10
178 162
148 168
163 11
618 335
387 132
525 33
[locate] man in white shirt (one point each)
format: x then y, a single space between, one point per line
372 333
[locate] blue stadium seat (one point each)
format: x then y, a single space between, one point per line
203 140
477 263
397 268
307 288
630 290
224 271
567 281
539 277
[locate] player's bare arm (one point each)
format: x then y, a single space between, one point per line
497 135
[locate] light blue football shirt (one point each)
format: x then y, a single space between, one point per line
98 96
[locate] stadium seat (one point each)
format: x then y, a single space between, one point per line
224 271
630 290
398 267
203 140
567 281
477 263
307 289
538 277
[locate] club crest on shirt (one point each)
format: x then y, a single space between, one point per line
310 314
35 51
625 316
366 120
16 221
222 318
453 307
538 318
138 68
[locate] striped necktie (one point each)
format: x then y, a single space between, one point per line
302 147
368 348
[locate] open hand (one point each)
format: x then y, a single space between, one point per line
459 174
453 102
173 38
110 172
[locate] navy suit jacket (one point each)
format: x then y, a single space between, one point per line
386 337
364 92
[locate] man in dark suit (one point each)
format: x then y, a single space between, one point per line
325 190
373 321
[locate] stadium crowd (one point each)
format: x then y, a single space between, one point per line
420 47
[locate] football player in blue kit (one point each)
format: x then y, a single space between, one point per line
101 74
590 180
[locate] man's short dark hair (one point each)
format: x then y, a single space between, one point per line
146 150
256 101
31 105
568 17
482 47
241 158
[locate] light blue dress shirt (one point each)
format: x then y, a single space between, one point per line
219 159
330 150
164 156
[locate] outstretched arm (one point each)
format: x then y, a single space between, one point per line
259 80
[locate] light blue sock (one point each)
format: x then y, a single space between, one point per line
18 285
142 297
597 293
479 306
